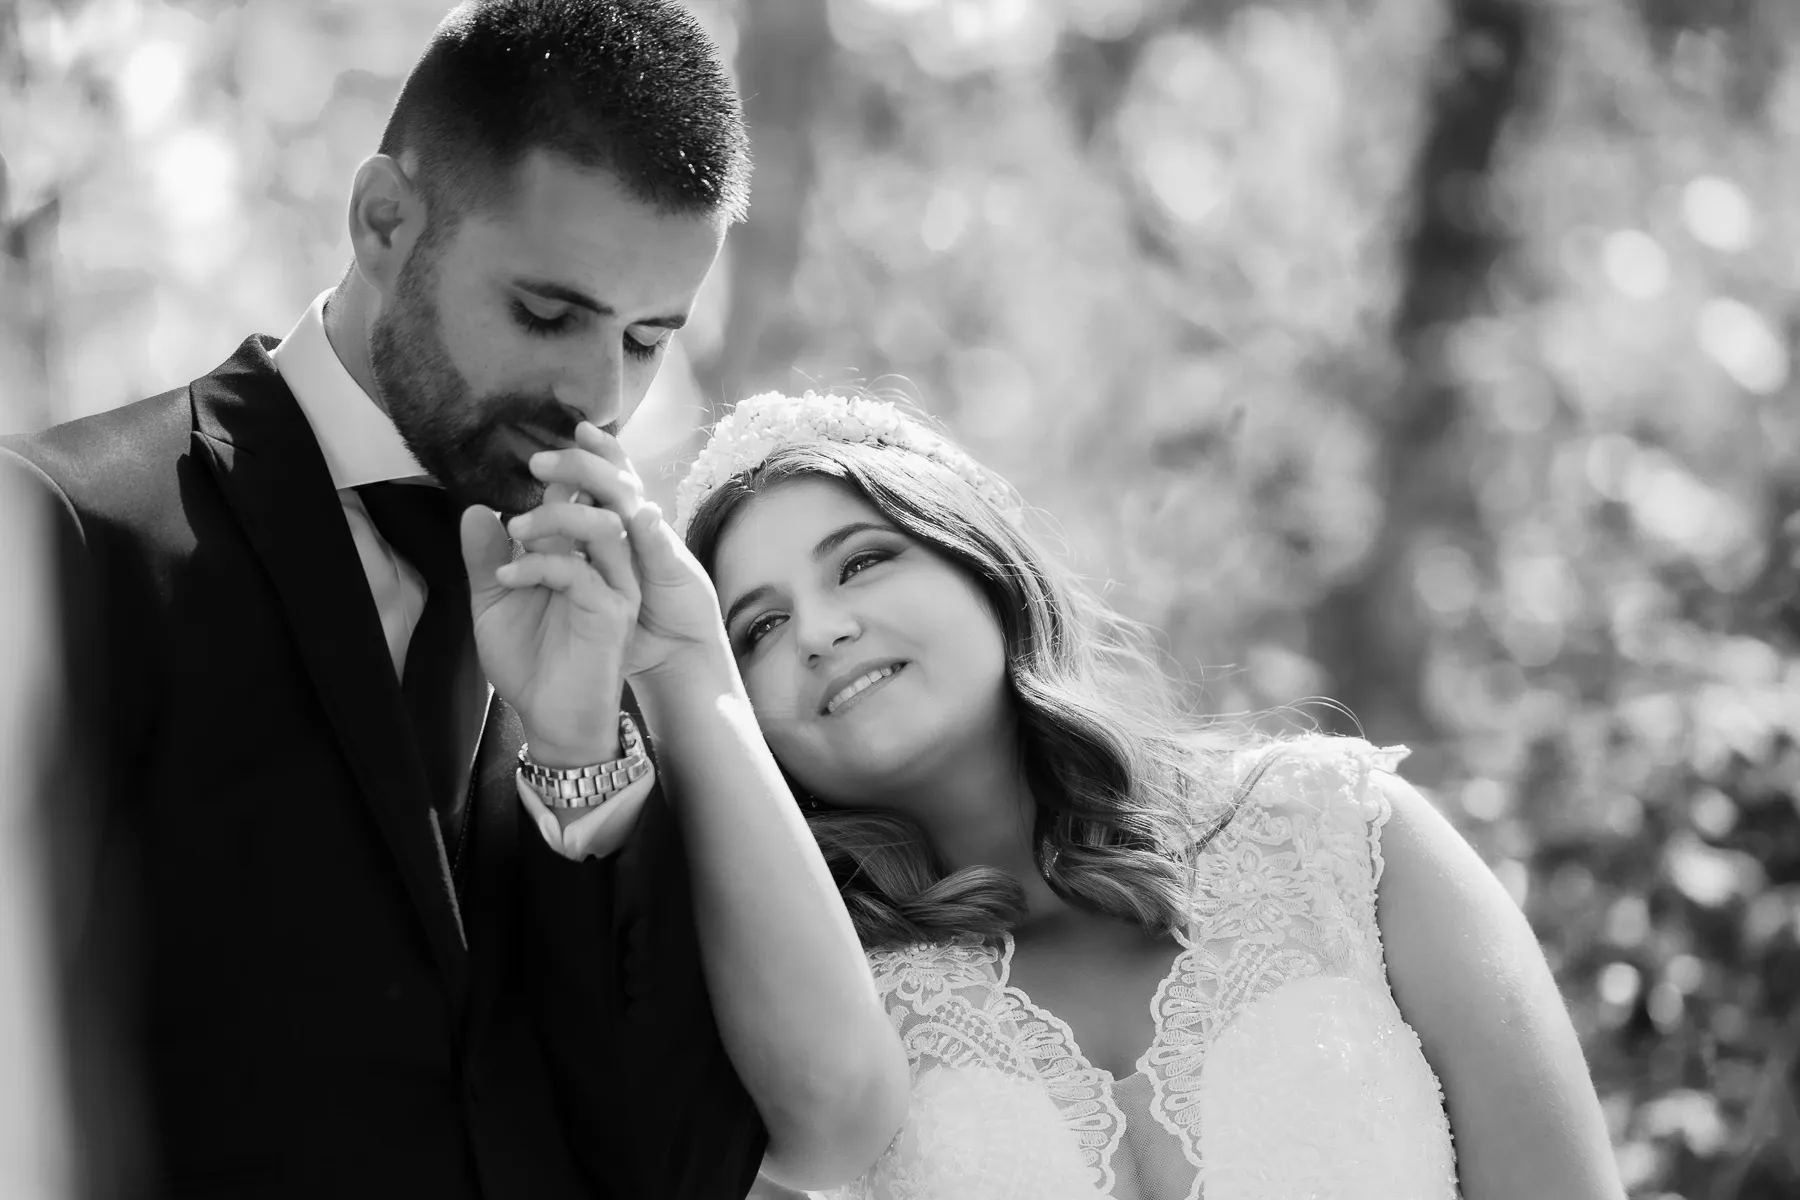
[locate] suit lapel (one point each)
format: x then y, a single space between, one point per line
636 873
487 870
248 426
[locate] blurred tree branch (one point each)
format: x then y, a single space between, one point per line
27 315
27 247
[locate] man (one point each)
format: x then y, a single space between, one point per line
361 974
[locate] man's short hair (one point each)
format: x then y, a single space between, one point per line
634 87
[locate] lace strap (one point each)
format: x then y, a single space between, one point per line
1309 827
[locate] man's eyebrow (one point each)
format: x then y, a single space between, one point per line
564 294
827 544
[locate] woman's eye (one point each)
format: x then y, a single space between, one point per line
533 322
758 628
857 563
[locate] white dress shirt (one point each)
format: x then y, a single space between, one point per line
361 446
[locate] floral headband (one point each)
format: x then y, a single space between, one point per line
755 428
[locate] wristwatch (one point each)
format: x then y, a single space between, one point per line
592 785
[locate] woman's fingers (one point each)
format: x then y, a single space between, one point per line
658 552
599 533
596 465
565 573
590 436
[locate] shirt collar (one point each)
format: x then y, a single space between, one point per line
360 443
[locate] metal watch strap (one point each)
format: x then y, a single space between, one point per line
586 787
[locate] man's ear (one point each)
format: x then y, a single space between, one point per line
387 215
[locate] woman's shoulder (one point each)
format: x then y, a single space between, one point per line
1298 855
1297 805
1317 775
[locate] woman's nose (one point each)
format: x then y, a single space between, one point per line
823 627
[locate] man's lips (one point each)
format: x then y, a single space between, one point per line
537 437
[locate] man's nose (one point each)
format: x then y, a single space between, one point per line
595 390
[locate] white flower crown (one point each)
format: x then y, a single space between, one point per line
755 428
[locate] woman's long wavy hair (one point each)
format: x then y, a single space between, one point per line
1125 792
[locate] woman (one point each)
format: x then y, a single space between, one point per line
1122 962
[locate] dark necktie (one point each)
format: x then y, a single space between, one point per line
442 681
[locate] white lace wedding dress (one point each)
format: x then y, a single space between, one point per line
1280 1068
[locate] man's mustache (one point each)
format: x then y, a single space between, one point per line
540 414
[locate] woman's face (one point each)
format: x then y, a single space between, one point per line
872 662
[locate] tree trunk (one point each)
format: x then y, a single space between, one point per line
784 58
1368 633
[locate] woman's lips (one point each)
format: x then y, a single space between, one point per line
893 671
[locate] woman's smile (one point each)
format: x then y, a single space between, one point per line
843 696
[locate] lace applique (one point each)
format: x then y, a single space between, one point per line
1285 891
1280 1064
1082 1091
994 1103
940 1003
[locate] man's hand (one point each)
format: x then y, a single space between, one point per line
552 629
678 610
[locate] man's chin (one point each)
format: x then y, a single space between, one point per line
508 489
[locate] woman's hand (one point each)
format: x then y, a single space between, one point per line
677 617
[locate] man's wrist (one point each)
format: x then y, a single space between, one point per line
562 755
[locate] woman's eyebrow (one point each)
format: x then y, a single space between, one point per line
827 544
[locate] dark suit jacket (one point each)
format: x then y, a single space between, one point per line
320 1008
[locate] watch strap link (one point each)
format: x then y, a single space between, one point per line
594 784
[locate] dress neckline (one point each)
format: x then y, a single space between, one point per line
1066 1035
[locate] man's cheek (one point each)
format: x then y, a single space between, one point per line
483 361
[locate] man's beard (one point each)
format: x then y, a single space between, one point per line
454 434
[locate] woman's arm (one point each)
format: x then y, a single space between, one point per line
1470 978
791 992
795 1002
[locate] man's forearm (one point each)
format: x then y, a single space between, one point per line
791 990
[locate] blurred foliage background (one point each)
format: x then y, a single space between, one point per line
1430 355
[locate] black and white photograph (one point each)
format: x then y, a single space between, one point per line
899 599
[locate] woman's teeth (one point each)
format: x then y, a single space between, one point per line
860 686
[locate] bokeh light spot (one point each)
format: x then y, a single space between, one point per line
150 84
1736 336
946 216
1718 213
196 177
1619 983
1635 264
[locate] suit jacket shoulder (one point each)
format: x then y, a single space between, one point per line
121 468
131 503
108 464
